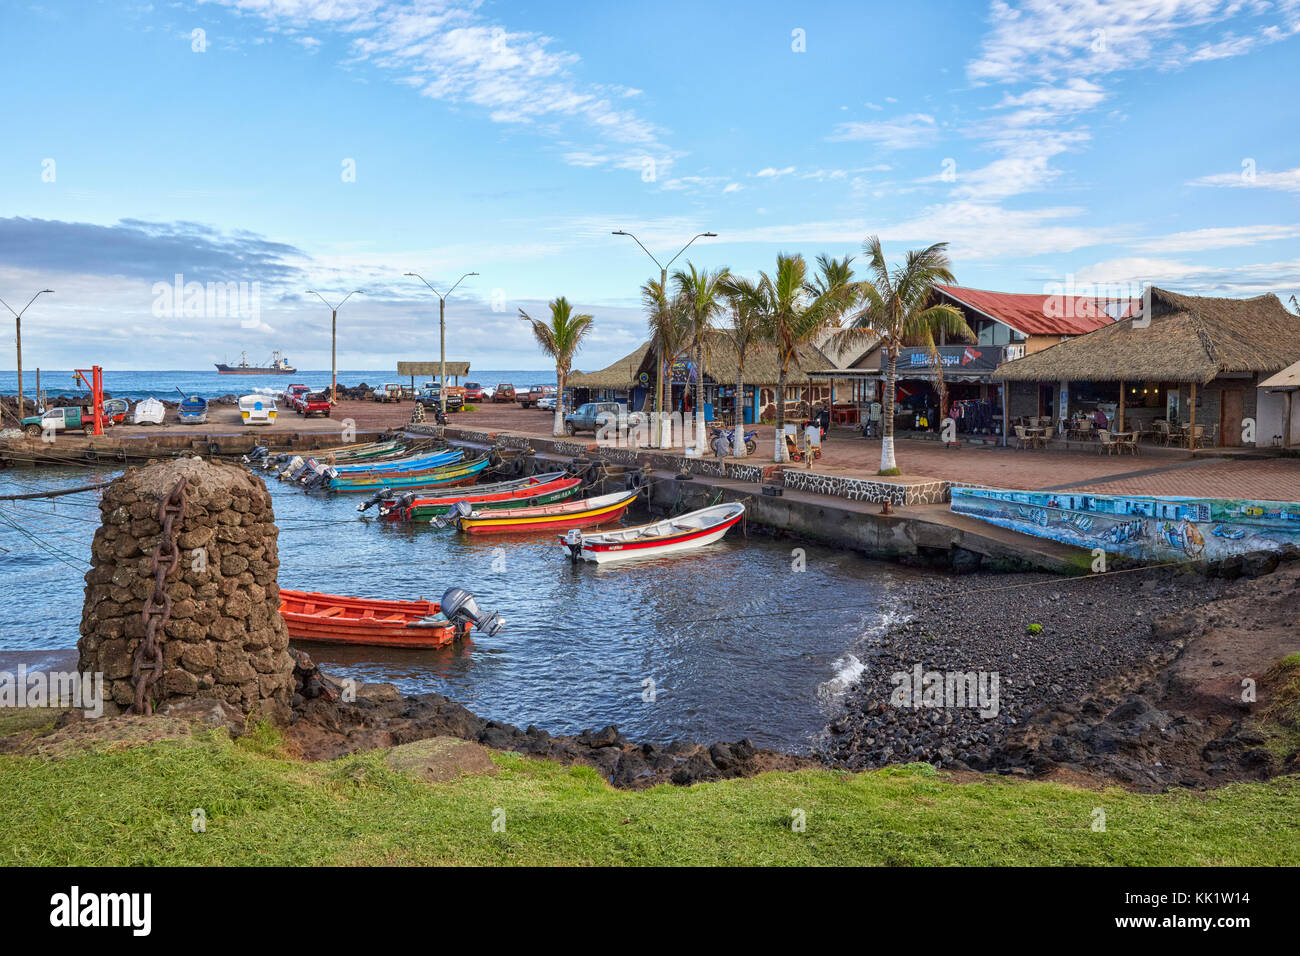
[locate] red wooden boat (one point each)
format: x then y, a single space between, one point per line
544 492
336 619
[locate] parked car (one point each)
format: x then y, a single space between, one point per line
473 392
587 418
389 392
59 420
503 393
312 403
547 403
428 396
257 410
292 394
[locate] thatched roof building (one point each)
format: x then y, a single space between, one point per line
1185 339
617 375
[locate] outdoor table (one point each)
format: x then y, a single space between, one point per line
1126 440
844 415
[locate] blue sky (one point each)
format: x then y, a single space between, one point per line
1048 142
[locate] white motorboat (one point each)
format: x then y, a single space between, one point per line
257 410
150 411
669 536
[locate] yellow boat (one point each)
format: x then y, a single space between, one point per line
564 515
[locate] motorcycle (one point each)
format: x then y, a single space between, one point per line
723 441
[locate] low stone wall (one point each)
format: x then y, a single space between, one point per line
629 457
224 638
876 490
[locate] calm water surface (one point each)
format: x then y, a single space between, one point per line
581 644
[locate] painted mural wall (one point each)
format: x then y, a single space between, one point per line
1147 528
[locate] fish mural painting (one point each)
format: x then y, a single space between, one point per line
1138 526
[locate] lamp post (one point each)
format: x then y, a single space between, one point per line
334 322
442 334
18 341
663 285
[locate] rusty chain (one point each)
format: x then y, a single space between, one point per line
147 668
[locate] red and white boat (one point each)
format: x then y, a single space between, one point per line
335 619
670 536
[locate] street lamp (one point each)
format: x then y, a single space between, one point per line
663 286
334 321
18 340
442 334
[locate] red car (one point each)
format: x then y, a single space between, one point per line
313 403
473 392
504 393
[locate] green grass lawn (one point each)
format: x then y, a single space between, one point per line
133 806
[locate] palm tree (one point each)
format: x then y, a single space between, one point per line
746 300
702 295
560 338
899 307
668 339
794 311
832 274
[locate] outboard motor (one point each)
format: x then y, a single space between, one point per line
573 543
376 498
311 467
257 454
319 478
399 505
290 467
461 509
461 608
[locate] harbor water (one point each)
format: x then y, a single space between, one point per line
752 637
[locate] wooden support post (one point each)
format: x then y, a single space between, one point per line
1120 426
1191 431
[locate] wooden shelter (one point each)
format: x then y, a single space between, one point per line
1195 357
431 370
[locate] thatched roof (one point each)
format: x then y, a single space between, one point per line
1187 339
620 374
762 362
407 369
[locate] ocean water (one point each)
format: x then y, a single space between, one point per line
718 644
135 385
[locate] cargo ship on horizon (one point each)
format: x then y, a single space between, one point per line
279 366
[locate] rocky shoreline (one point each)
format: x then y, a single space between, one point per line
1093 676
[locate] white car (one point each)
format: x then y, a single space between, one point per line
257 410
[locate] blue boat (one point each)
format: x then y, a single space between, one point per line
403 465
193 409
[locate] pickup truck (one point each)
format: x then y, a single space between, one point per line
531 397
311 403
59 420
388 393
292 393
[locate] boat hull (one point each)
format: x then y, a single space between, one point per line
632 550
509 522
335 619
450 477
550 493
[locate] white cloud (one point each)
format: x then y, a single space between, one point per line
905 132
1225 237
1286 180
773 172
1252 279
448 51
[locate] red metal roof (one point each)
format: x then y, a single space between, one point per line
1035 314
